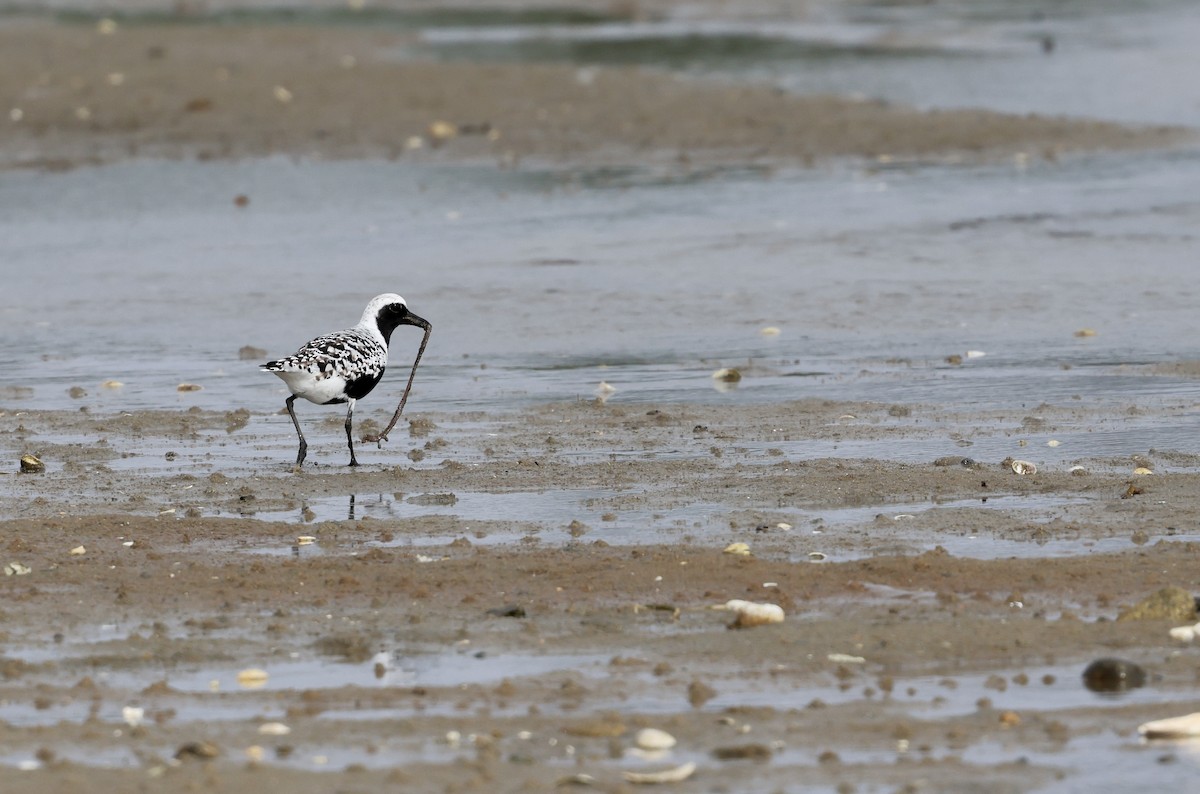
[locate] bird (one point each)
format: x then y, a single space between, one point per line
344 366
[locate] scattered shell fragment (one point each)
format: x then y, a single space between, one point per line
845 658
305 540
189 387
727 375
79 551
282 95
252 678
111 384
414 142
1183 633
16 569
752 613
1022 467
31 464
654 739
1054 442
1184 727
255 753
1131 491
975 354
816 556
1142 471
770 330
133 715
201 750
604 391
274 729
16 114
1085 332
783 525
106 27
442 131
675 775
739 549
1078 471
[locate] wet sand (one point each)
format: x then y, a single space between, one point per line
950 665
939 614
83 97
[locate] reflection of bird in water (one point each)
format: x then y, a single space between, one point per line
344 367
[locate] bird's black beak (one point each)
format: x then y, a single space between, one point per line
419 322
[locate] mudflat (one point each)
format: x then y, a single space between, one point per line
443 650
82 96
501 600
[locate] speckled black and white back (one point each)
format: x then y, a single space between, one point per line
344 365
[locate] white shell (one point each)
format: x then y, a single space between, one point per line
845 658
654 739
676 775
740 549
1183 633
1183 727
252 678
1023 467
751 613
274 729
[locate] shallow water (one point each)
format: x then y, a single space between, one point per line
538 291
1122 61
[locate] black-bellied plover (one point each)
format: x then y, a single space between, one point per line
345 366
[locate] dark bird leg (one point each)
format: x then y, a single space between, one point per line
349 435
303 444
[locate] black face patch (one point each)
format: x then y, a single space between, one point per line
388 318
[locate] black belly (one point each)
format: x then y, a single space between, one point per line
361 387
